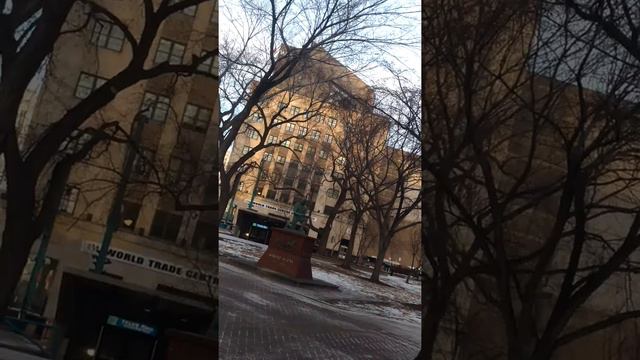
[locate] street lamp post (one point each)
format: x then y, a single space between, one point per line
37 268
228 216
116 208
255 186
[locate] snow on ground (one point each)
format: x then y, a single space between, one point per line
389 299
237 247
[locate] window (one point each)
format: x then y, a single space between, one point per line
302 131
191 10
340 160
210 65
205 236
288 182
272 139
255 117
281 106
252 133
156 107
179 169
333 193
332 122
286 143
196 116
75 142
170 51
271 194
280 159
246 149
328 210
323 154
165 225
294 110
284 196
298 147
267 157
289 127
315 135
311 151
241 186
302 184
328 138
87 83
319 119
107 35
130 212
69 199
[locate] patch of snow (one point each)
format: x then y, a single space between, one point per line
355 291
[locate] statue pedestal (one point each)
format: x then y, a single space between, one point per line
288 254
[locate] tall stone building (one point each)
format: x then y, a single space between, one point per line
308 162
162 263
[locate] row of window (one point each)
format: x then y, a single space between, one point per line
303 130
271 194
173 53
294 110
165 225
70 197
109 36
323 154
191 11
290 128
155 106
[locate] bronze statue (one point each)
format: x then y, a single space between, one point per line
300 216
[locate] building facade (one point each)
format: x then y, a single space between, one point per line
162 263
307 161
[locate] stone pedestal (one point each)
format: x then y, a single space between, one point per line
289 254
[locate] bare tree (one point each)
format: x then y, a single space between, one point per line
30 31
391 184
416 242
530 153
267 59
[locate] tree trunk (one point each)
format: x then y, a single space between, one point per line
223 202
431 323
382 250
348 258
324 235
17 239
413 258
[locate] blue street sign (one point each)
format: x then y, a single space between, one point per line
131 325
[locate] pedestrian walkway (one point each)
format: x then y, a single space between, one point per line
261 318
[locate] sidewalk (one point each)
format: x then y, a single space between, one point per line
393 299
265 319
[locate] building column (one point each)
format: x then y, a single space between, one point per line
188 228
146 213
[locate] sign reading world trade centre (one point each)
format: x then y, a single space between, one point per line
143 261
